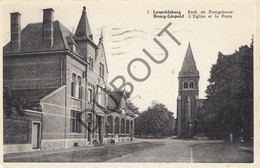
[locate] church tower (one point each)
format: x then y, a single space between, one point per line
188 98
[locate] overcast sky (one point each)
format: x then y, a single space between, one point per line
127 29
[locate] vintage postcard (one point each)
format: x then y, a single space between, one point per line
129 83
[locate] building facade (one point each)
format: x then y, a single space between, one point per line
188 100
63 77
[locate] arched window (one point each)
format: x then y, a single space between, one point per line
76 87
185 85
127 126
117 125
191 84
122 126
110 121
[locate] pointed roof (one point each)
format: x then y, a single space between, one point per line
83 28
189 68
101 50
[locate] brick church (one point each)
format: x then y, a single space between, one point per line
63 77
188 101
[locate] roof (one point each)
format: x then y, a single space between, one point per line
32 95
189 68
83 28
114 100
32 39
101 51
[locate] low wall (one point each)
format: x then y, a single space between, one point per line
17 148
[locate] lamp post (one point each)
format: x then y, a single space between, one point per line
135 97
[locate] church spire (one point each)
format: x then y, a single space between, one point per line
83 29
189 68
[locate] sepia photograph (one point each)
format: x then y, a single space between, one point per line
129 82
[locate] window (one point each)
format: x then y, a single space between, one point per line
122 126
110 121
73 85
127 126
99 97
76 87
90 95
185 85
94 93
90 116
117 125
191 84
79 88
91 63
75 125
101 69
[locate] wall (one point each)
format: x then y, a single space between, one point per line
32 72
74 103
122 137
18 132
183 128
53 132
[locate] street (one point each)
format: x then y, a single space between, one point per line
169 150
189 151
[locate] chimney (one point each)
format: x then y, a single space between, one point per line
15 31
47 28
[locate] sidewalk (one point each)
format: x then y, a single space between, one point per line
84 154
251 149
62 150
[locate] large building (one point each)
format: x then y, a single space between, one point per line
63 77
188 101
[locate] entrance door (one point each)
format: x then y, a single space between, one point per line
99 122
89 131
36 135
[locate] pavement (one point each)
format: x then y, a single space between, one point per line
174 150
10 156
168 150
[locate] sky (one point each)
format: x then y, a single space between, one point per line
128 28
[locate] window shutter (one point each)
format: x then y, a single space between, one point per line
72 89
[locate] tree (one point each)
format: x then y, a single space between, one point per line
12 103
132 107
230 94
156 120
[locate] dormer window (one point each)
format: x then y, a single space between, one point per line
91 36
